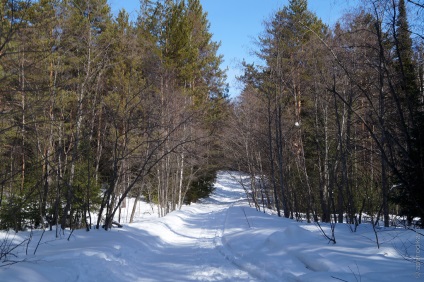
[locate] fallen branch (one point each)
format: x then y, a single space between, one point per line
7 249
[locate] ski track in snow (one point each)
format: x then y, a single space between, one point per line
182 246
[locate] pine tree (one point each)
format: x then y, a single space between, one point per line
190 85
284 48
28 86
410 193
83 47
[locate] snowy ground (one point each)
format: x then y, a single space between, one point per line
219 239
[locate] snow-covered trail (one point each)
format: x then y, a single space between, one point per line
185 245
191 246
218 239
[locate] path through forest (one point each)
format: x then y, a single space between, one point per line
218 239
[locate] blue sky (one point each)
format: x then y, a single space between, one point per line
236 24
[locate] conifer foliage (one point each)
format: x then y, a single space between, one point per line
97 108
331 120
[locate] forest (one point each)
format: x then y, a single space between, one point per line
95 108
331 125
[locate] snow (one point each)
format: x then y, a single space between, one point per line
218 239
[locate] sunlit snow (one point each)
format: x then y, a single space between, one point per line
217 239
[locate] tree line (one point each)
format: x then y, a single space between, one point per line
95 108
330 123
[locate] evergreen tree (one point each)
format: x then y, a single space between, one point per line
284 46
410 193
24 50
83 48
